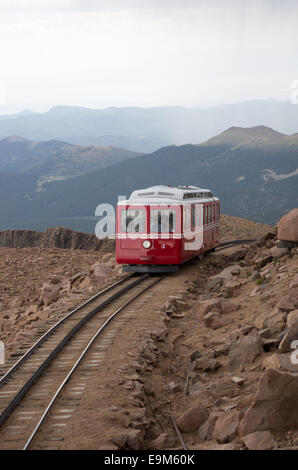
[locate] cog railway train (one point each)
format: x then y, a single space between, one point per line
161 227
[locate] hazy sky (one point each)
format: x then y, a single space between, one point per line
100 53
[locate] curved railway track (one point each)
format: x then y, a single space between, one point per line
52 329
230 244
31 388
33 385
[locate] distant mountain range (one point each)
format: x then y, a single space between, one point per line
147 129
54 160
254 171
25 112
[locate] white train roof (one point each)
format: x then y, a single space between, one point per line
169 195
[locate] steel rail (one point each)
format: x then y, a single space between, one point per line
40 341
45 336
224 246
22 392
236 242
79 360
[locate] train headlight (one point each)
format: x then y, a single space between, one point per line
146 244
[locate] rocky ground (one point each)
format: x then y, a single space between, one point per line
232 228
53 264
37 284
213 350
225 370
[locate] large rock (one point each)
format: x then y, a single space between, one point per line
273 319
263 260
290 336
207 364
279 252
77 278
294 282
162 441
192 418
245 351
260 440
226 426
212 320
202 307
99 272
49 293
290 301
287 227
206 430
230 273
281 362
218 304
176 305
275 406
228 306
217 389
131 439
292 318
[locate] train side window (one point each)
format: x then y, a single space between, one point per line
193 216
209 214
212 213
205 215
200 213
186 218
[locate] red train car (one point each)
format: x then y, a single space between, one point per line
161 227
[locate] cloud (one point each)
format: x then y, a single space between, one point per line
95 5
123 5
154 52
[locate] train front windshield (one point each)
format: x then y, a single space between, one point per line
162 221
133 221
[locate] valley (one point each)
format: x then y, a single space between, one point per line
252 170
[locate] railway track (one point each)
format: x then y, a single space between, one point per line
230 244
63 359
